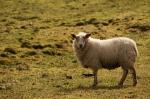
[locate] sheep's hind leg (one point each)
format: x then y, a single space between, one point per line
133 72
95 78
125 72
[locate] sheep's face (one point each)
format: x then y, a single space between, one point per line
80 40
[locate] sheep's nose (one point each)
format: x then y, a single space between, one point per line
81 45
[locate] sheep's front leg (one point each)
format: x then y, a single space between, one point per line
95 77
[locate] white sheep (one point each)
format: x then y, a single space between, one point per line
109 54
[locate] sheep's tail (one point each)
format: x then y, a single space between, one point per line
136 50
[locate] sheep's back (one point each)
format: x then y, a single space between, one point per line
115 52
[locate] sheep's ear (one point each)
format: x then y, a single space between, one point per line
73 36
87 35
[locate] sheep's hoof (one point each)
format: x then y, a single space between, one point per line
135 83
120 85
94 85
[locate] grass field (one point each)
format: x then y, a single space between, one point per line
36 56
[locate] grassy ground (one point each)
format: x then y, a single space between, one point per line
36 56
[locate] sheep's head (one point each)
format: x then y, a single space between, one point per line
80 40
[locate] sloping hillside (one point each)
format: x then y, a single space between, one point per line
36 56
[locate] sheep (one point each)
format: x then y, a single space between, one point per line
109 54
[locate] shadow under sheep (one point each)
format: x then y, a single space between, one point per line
105 87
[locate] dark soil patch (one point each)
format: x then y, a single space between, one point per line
45 75
47 52
93 21
81 23
41 46
59 45
4 54
26 45
140 27
31 53
10 50
51 52
48 45
38 46
68 77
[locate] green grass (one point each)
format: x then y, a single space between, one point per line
40 63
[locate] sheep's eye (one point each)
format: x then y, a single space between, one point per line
84 38
77 38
